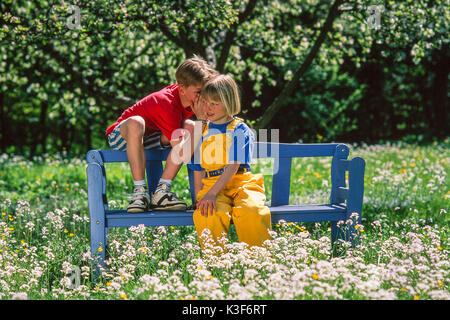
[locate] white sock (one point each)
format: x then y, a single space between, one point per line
167 182
139 183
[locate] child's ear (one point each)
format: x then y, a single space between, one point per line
181 89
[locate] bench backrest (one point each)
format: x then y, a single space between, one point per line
282 153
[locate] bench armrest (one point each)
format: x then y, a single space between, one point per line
356 186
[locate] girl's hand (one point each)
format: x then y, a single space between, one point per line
207 204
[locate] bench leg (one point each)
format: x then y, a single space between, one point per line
98 247
97 215
344 232
355 196
336 234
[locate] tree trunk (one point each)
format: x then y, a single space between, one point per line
3 123
439 90
230 35
43 126
88 129
279 102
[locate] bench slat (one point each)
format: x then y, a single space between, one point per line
343 164
306 213
121 156
281 182
154 170
337 174
342 192
121 218
293 150
261 150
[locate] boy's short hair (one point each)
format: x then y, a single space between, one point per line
194 71
223 88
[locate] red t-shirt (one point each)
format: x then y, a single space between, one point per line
161 110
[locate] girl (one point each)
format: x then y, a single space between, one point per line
224 185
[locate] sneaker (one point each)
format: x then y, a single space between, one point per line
163 199
140 201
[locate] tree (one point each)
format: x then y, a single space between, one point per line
289 87
73 66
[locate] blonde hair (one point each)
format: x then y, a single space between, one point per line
194 71
223 88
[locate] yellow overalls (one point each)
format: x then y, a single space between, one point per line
242 199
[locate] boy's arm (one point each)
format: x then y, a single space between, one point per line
185 146
208 203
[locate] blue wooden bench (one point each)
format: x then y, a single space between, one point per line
344 200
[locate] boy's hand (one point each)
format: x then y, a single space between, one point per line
199 109
192 206
207 204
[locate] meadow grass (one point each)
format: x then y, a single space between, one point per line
403 252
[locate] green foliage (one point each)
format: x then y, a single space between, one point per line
328 103
68 69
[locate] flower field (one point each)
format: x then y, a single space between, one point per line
403 251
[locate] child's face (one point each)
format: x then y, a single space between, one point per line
215 110
189 95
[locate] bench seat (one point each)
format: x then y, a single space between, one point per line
289 213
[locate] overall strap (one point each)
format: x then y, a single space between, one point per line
230 127
233 124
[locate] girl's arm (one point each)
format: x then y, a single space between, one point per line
198 185
208 203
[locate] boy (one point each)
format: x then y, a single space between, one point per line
150 123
